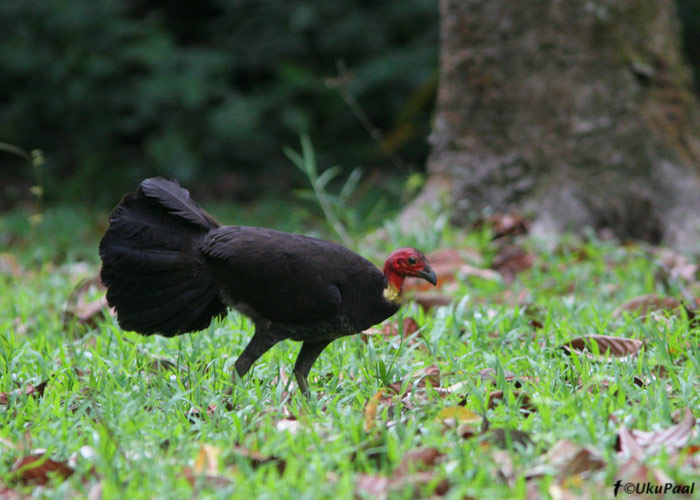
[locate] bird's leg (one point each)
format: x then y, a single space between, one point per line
261 342
307 355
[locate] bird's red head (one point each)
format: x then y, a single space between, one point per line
406 262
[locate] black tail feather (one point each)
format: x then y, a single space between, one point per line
155 275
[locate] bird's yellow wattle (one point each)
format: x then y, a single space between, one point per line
392 293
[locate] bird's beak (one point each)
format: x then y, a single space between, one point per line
427 274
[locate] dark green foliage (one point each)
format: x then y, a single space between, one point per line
689 12
116 91
113 92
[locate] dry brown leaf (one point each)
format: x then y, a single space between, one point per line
418 380
373 485
635 442
10 494
428 375
504 463
491 375
511 260
634 471
379 487
409 327
90 313
645 304
9 265
257 459
466 431
487 274
194 414
207 461
628 445
586 460
607 345
677 265
392 329
419 458
495 398
38 469
371 409
568 459
428 300
459 414
213 479
502 224
29 391
506 438
82 312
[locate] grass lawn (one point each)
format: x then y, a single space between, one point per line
481 401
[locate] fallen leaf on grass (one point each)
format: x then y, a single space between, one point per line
416 390
428 300
379 487
566 459
604 384
418 380
195 413
10 494
627 444
419 458
504 465
207 461
496 397
677 265
392 329
38 469
486 274
506 438
257 459
511 260
458 414
636 443
585 460
29 391
90 313
634 471
371 410
607 345
86 313
503 224
10 265
645 304
491 375
212 479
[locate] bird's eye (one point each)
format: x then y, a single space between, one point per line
412 261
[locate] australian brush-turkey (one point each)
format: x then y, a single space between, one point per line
169 268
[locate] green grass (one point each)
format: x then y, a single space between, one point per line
124 415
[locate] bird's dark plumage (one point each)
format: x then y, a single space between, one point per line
169 268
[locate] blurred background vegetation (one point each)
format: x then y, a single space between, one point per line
211 91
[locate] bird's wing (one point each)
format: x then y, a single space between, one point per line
286 278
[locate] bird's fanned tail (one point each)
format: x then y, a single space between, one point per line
155 275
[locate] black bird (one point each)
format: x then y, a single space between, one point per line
169 268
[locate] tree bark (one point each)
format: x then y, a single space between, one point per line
578 112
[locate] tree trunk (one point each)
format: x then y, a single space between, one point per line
579 112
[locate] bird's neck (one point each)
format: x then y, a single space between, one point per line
394 282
